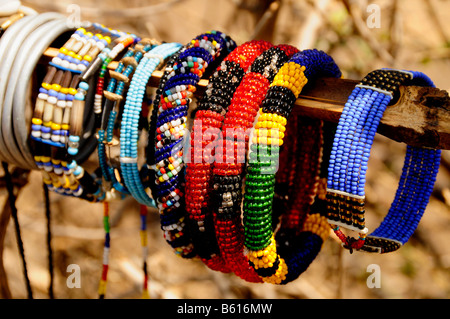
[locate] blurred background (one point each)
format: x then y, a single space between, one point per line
411 34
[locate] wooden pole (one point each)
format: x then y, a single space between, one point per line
419 117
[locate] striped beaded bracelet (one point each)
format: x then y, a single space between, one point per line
348 165
208 120
129 133
263 162
203 51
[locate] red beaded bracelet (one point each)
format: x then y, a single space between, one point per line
228 169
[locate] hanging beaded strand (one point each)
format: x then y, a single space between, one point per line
106 250
351 150
144 245
209 118
263 161
181 83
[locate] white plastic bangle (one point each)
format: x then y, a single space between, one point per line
7 143
17 92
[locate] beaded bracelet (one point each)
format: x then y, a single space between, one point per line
209 118
174 228
62 173
189 67
348 165
226 181
114 94
130 120
263 161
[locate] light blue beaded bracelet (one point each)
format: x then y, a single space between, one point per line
129 133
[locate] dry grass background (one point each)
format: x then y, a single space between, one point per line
413 35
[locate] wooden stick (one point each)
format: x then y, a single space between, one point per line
420 117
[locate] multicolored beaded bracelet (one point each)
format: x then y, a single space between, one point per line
130 120
348 165
209 119
263 161
173 226
62 173
203 51
114 95
227 167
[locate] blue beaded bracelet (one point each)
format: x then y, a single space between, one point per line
114 95
130 119
348 166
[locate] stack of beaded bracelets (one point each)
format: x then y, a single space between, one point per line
348 165
180 85
130 120
208 120
228 166
263 162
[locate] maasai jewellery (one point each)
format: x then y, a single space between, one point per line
263 160
348 165
16 95
181 83
129 134
114 95
10 44
228 166
208 120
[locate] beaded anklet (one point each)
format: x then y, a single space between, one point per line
227 168
209 118
348 165
263 160
181 83
114 94
130 120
